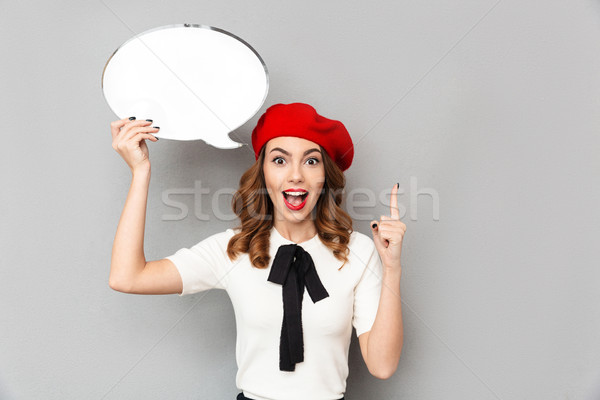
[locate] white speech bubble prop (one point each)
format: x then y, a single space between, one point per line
194 81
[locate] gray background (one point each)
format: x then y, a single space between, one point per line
491 106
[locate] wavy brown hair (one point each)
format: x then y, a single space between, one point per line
252 204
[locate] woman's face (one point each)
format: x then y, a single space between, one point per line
293 164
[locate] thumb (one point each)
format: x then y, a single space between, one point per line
374 226
375 231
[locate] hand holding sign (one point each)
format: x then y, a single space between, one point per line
128 136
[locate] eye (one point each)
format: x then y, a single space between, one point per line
277 158
316 160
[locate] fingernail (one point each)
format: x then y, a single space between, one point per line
397 186
374 226
149 120
157 127
131 118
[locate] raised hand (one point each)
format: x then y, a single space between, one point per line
128 140
388 233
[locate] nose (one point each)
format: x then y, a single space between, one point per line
295 174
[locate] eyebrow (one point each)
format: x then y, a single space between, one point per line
287 154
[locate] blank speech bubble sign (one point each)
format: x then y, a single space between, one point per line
194 81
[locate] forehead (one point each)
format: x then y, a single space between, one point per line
291 144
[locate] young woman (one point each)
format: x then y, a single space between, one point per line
293 237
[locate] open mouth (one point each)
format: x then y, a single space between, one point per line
295 198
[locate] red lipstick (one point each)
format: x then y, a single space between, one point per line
290 205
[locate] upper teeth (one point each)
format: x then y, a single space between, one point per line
295 193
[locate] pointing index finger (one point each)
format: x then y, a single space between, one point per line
394 213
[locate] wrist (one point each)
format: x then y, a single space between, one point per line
142 172
393 271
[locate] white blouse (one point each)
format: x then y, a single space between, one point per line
354 293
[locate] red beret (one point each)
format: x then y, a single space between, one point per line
301 120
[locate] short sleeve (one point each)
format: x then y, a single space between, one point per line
367 293
203 266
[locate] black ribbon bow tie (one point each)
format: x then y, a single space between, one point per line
293 268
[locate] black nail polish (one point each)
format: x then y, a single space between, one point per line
374 226
157 127
397 186
149 120
131 118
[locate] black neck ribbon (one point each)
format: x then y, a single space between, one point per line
293 268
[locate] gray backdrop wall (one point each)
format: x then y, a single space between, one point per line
485 112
